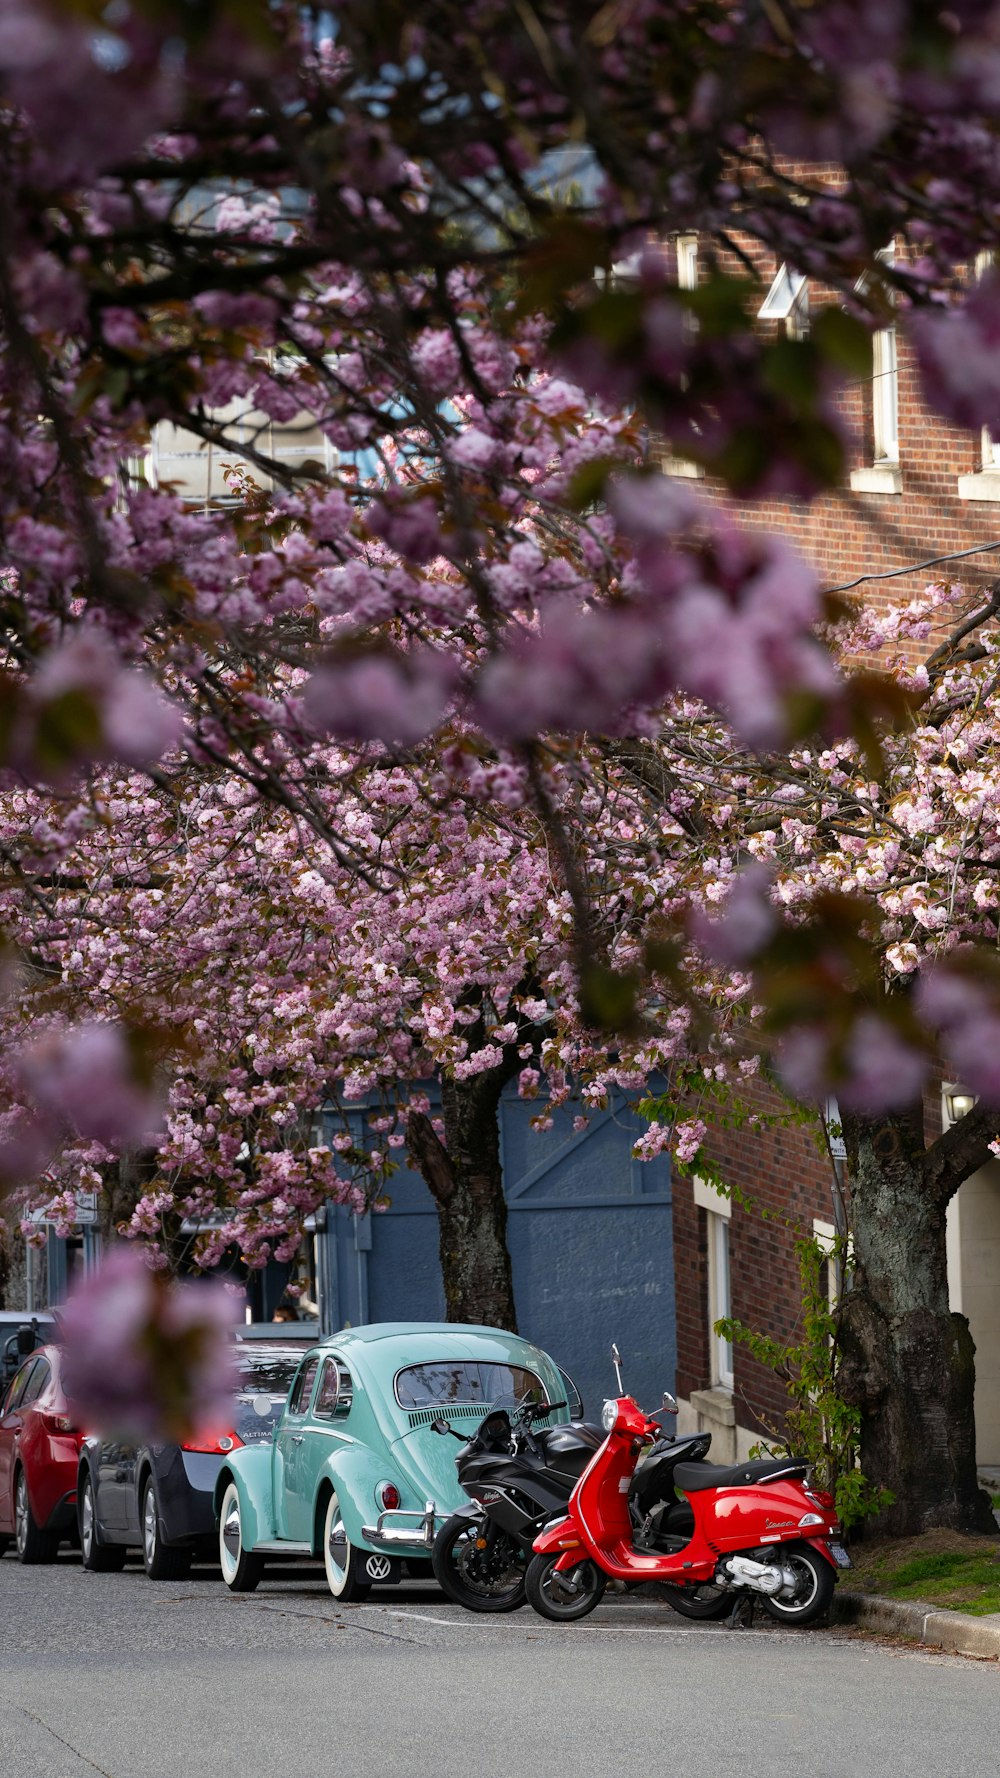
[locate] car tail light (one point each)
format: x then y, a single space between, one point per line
56 1422
215 1443
388 1496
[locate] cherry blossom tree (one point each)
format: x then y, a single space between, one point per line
278 982
398 234
401 235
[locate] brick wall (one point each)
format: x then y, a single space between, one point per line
787 1183
847 534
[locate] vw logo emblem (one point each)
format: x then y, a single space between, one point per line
378 1567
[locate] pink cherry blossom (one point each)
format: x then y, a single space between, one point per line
146 1359
87 1077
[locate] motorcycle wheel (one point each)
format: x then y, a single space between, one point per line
563 1597
490 1579
704 1602
815 1580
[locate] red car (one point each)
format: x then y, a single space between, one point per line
39 1459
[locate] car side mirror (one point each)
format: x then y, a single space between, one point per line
26 1341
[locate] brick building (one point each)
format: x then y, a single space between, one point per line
917 488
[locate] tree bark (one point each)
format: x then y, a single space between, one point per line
466 1181
908 1362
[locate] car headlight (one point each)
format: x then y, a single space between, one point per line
609 1415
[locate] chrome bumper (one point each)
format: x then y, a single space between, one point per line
387 1535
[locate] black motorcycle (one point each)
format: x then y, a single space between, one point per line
519 1475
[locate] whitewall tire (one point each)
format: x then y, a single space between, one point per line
340 1559
241 1570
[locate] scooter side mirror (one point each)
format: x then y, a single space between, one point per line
669 1403
441 1426
616 1359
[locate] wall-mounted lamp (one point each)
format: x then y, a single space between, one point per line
958 1103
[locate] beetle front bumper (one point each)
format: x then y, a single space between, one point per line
411 1535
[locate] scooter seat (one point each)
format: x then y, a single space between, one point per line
692 1478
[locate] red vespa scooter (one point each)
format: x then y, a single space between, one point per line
759 1530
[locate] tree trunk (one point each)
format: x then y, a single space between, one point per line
465 1178
908 1362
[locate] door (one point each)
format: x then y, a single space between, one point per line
10 1427
114 1463
288 1460
591 1241
321 1436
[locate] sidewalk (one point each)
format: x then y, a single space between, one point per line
953 1631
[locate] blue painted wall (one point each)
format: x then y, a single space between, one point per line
589 1231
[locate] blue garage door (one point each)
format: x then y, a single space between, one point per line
589 1231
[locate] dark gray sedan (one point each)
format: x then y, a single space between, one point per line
159 1498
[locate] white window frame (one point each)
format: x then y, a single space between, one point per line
990 446
885 398
825 1236
788 301
720 1299
687 262
719 1211
883 475
686 252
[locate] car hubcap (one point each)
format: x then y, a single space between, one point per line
336 1545
149 1525
21 1515
87 1521
231 1533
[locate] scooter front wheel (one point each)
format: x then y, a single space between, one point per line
477 1569
564 1595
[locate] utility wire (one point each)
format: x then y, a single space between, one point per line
979 549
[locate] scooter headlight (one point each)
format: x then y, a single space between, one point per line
609 1416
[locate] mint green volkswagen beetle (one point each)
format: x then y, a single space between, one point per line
353 1472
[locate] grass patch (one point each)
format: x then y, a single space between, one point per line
942 1567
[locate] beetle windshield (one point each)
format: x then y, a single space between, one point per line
447 1383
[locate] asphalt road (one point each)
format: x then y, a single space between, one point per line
115 1675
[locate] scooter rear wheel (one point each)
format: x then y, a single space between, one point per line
562 1597
815 1581
490 1578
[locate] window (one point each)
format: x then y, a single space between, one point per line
331 1384
574 1400
788 301
719 1210
36 1382
885 396
268 1372
883 475
686 248
16 1392
825 1236
990 445
298 1401
464 1380
687 261
719 1299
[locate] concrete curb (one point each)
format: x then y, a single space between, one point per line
953 1631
